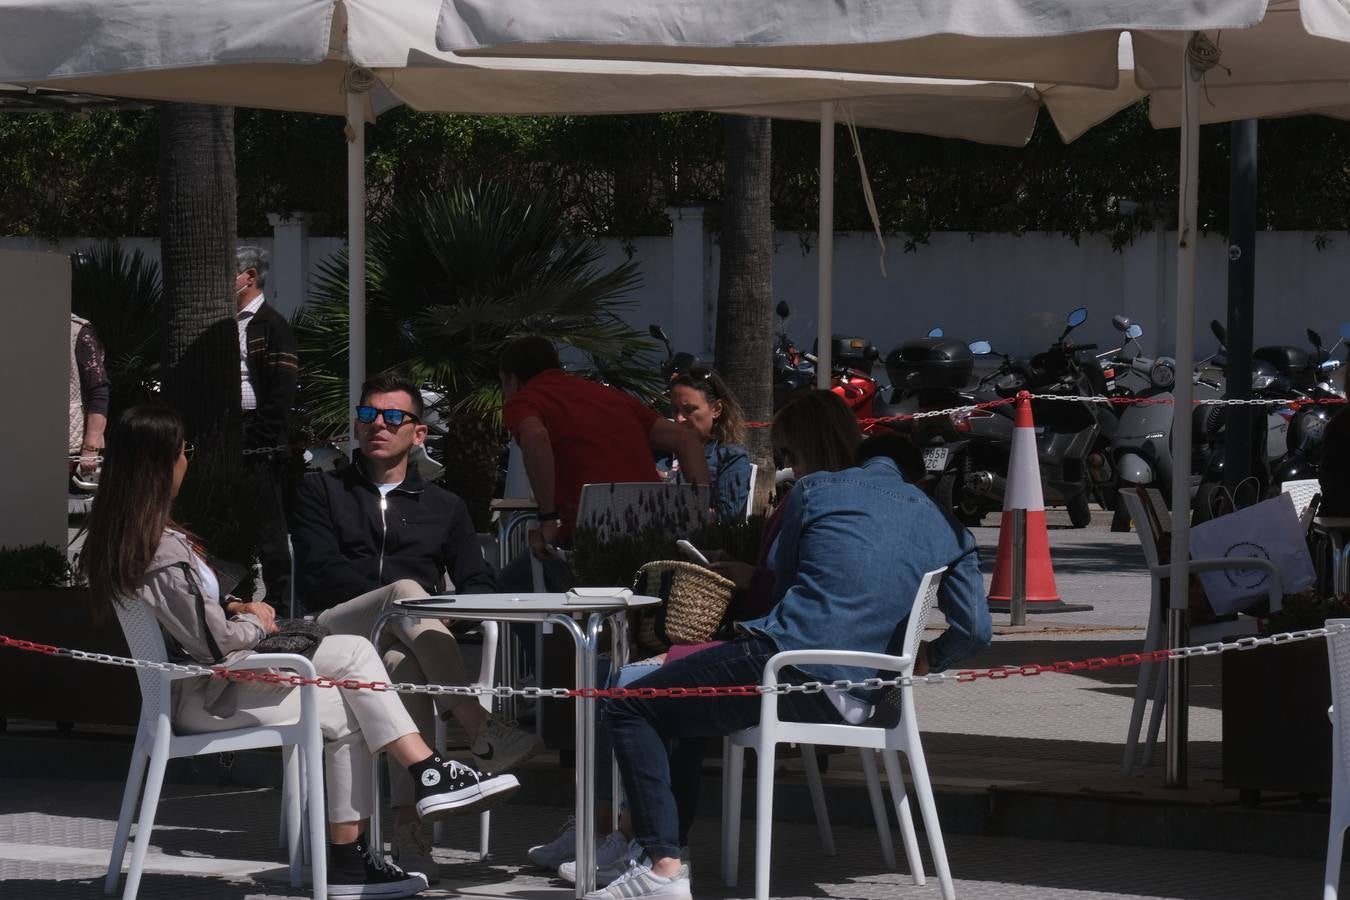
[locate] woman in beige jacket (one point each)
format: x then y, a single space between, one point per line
134 553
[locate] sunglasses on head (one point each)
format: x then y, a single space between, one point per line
367 415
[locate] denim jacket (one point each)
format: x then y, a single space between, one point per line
854 546
729 471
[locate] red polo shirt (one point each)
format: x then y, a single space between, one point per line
599 434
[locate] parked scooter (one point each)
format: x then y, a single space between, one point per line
1141 449
1286 441
852 360
968 452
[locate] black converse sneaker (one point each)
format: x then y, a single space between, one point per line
444 786
356 871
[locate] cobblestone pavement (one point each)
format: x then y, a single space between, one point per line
220 845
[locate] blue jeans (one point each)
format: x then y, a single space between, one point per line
642 729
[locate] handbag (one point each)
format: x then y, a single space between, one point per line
1268 530
301 636
695 602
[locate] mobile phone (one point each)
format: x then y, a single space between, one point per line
692 552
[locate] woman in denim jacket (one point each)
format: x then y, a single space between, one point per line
702 401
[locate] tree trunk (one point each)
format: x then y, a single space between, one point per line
744 348
200 371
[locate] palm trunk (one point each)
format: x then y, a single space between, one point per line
200 370
744 348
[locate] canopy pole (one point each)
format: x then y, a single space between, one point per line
825 247
1187 235
356 257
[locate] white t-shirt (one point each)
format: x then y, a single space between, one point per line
386 488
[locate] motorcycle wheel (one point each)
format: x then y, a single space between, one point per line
1080 513
967 510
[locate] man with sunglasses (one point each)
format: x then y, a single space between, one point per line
374 532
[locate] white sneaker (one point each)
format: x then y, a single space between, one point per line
411 849
641 881
557 851
613 856
501 747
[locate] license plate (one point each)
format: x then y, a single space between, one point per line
935 459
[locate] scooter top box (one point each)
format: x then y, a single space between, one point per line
930 364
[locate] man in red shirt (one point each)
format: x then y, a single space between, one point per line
573 432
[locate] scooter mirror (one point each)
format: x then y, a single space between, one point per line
935 332
1315 339
1134 331
1345 330
657 332
1120 323
1077 317
1219 330
782 309
981 348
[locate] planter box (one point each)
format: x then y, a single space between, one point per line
1276 734
56 689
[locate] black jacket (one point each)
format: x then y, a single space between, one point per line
346 545
273 372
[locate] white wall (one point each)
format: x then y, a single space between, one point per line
1013 291
35 364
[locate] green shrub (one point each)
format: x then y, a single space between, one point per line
33 566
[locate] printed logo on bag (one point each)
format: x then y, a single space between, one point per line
431 778
1247 579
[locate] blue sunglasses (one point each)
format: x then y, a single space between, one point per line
394 418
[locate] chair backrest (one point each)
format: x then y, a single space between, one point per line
629 507
1144 520
1338 654
1302 492
925 599
750 495
145 640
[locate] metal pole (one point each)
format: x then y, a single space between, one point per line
1238 451
1017 604
356 255
825 242
1187 235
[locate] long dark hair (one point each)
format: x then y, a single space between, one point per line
819 429
133 503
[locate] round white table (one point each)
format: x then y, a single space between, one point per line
581 613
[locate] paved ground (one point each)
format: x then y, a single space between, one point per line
1057 734
219 845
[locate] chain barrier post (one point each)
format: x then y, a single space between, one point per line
1017 604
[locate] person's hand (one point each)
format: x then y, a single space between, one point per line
921 659
716 556
89 453
542 539
265 613
741 573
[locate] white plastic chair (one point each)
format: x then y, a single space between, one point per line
1302 492
1154 635
750 496
891 740
156 744
1338 654
487 668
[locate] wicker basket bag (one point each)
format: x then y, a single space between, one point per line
696 599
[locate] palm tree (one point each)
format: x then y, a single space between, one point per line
451 277
744 346
200 367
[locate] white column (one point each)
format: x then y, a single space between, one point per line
356 253
825 245
693 311
288 282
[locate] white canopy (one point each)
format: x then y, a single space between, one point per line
1068 42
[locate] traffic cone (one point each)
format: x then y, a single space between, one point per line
1024 492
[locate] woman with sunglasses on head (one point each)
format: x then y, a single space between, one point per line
135 553
702 402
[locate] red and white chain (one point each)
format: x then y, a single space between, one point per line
997 673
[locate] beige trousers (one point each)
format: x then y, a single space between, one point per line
354 723
420 651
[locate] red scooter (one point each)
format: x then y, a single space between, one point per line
852 360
